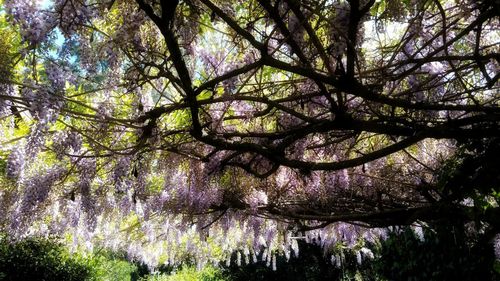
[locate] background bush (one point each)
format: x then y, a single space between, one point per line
189 273
445 253
37 259
41 259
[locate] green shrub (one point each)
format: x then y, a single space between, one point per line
113 266
445 253
208 273
36 259
40 259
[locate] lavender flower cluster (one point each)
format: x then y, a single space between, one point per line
120 173
5 104
44 104
15 163
74 14
66 142
87 171
57 76
37 189
35 24
129 31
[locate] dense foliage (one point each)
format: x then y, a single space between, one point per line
39 259
43 259
188 130
444 253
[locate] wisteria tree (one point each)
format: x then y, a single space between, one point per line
204 127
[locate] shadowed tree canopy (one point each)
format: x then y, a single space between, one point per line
247 122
